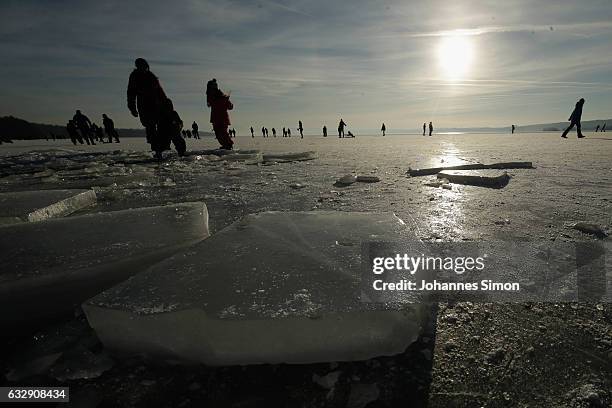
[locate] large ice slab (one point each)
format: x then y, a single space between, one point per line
289 157
47 267
481 178
40 205
273 287
429 171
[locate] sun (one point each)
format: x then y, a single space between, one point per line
455 56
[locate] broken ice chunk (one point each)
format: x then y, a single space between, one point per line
40 205
289 157
270 288
482 178
50 266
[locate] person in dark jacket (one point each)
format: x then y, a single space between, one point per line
430 128
301 129
109 128
195 130
219 117
73 133
383 129
83 123
341 127
145 97
324 131
575 119
97 132
169 129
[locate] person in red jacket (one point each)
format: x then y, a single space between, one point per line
145 98
219 104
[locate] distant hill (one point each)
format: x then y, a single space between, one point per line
19 129
559 126
540 127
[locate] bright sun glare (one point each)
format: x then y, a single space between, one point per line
455 55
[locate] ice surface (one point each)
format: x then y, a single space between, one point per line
40 205
49 266
482 178
273 287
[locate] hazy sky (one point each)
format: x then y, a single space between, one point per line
458 63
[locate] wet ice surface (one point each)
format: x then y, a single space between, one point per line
571 183
564 180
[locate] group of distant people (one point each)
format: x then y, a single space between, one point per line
194 132
147 100
82 130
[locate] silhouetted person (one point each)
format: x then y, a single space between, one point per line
284 132
169 130
219 117
145 97
597 129
93 129
194 130
273 132
603 128
513 128
430 128
424 128
109 128
288 132
233 132
252 132
189 133
267 133
575 119
350 134
99 133
73 133
324 131
301 129
383 129
83 123
341 126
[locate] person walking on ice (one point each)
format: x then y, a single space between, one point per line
145 97
195 130
575 119
383 129
109 128
341 126
219 117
